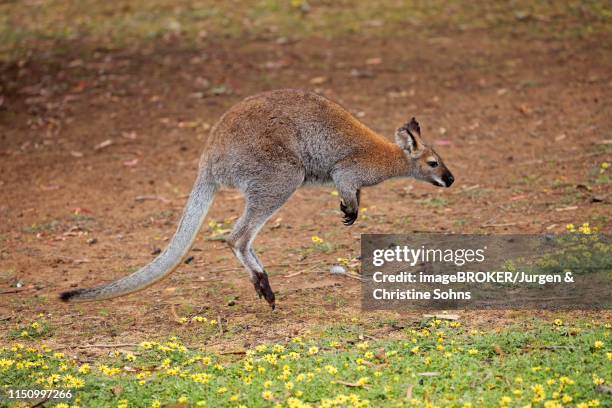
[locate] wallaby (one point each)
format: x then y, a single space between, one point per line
267 146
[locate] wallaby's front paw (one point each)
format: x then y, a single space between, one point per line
263 289
349 215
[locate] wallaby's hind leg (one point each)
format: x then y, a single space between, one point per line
261 203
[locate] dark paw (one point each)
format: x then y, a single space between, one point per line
349 215
263 289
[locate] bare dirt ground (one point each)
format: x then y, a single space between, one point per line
523 125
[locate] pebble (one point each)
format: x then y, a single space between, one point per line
337 270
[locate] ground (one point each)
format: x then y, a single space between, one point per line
101 132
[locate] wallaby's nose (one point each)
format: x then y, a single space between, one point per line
448 179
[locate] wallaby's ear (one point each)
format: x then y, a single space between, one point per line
407 137
413 126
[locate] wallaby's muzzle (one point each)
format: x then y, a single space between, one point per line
448 179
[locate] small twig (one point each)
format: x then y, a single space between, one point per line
233 352
429 374
151 197
16 290
220 325
348 384
507 224
409 391
291 275
466 189
85 346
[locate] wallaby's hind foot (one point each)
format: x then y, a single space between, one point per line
350 215
263 289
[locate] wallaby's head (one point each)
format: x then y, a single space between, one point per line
426 164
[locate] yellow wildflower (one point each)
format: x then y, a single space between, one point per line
331 369
585 229
202 378
505 401
539 392
363 381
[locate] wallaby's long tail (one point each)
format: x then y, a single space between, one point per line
200 199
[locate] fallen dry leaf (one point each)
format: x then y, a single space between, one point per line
409 391
525 110
319 80
103 144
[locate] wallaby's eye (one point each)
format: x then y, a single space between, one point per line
432 163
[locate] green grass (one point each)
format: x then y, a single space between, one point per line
131 23
38 329
439 364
